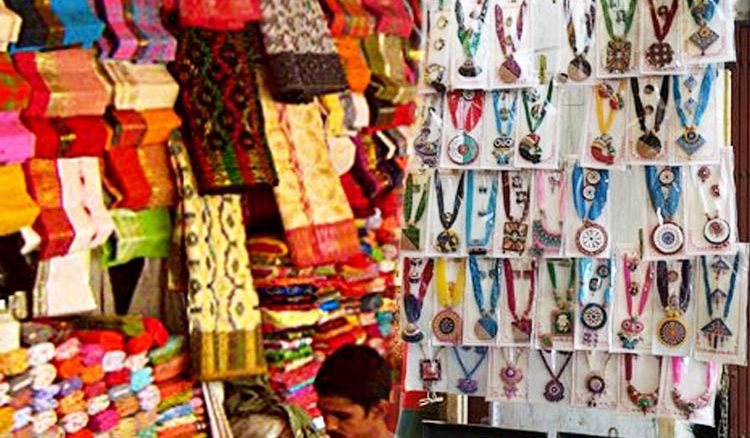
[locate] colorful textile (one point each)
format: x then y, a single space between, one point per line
15 92
82 136
392 17
141 87
218 15
17 142
17 209
390 73
144 233
55 24
348 18
355 65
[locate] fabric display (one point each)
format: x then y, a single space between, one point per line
545 260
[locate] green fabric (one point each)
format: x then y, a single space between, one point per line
129 325
145 233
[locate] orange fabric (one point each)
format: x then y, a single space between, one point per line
355 65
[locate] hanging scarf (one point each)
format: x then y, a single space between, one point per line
223 121
218 15
224 322
316 215
302 61
55 24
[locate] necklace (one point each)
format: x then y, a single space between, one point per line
554 390
515 228
547 240
667 237
447 240
411 235
596 385
430 369
619 49
510 373
716 230
645 401
505 115
717 331
631 327
509 70
529 147
690 407
562 316
486 213
521 324
593 315
672 331
447 324
648 145
485 329
602 148
579 69
416 272
690 140
470 37
591 238
661 54
466 110
427 143
467 384
702 11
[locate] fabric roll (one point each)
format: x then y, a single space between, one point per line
14 362
110 340
157 330
141 379
92 374
43 421
41 353
91 354
97 404
44 404
171 369
113 361
74 402
43 375
139 344
70 386
117 378
118 392
95 389
48 392
69 368
22 417
104 421
68 349
127 406
175 346
149 398
75 421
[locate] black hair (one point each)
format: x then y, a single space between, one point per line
355 372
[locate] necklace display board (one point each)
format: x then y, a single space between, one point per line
688 389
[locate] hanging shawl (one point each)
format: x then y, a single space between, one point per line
317 218
223 120
222 302
218 14
302 61
54 24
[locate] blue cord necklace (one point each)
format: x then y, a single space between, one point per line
467 384
502 146
485 328
717 331
486 214
594 315
690 140
592 186
667 237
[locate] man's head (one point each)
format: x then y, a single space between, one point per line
354 387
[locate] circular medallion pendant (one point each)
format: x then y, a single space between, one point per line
509 71
554 391
485 329
463 149
594 316
672 332
667 238
446 326
648 146
660 54
717 231
511 375
596 384
412 334
467 386
579 69
602 150
591 239
447 241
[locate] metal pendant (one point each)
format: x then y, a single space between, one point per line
511 376
717 231
619 55
672 332
468 386
485 329
446 326
502 147
579 69
648 146
660 54
469 69
412 334
704 38
562 322
554 391
602 150
668 238
690 141
591 239
447 241
594 316
509 71
463 149
529 148
430 370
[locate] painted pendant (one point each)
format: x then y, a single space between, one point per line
522 329
514 237
411 238
630 333
430 370
579 69
469 69
502 148
704 38
690 141
463 149
672 332
660 54
511 376
425 149
716 332
619 55
648 146
447 241
591 239
509 71
668 238
562 322
595 385
594 316
485 329
412 333
529 148
467 386
602 150
646 401
446 326
717 231
554 391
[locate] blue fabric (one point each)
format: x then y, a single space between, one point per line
82 26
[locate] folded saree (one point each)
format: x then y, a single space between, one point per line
144 233
63 287
80 136
348 17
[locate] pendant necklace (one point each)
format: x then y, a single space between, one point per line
579 69
594 315
619 48
435 72
467 384
596 385
554 390
447 241
716 230
690 140
545 239
690 407
562 315
411 235
486 213
702 12
466 110
510 373
447 324
672 331
504 103
648 145
509 71
529 148
590 186
416 272
661 54
470 37
632 327
717 331
430 371
645 401
602 148
521 324
427 142
667 237
485 328
515 228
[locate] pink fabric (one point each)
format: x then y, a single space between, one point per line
16 142
126 46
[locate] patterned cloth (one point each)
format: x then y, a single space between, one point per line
348 17
223 121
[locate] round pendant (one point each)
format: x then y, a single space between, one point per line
463 149
591 239
509 71
579 69
594 316
667 238
511 374
529 148
485 329
446 326
412 334
648 146
596 384
554 391
447 241
467 386
717 231
602 149
660 54
672 332
593 177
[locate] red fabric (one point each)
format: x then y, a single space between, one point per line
110 340
82 136
69 368
83 433
129 178
140 343
15 92
117 378
170 369
358 200
40 94
93 389
157 330
218 14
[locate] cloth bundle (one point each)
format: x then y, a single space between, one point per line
55 24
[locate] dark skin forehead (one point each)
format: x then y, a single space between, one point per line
340 407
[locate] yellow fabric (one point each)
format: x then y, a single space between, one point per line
17 209
291 318
450 293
